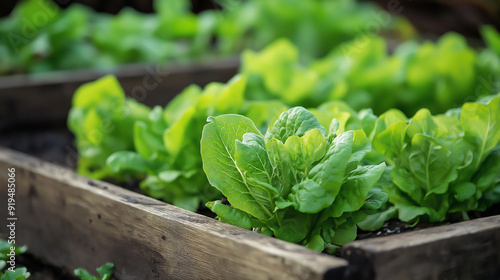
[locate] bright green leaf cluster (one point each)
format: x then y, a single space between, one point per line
39 37
167 144
119 138
19 273
101 119
297 183
437 76
441 164
105 271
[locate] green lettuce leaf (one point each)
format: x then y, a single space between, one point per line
441 164
302 185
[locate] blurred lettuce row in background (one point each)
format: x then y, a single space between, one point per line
38 36
437 76
121 139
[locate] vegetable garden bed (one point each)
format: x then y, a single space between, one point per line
72 221
309 150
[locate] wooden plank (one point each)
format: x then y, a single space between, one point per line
72 222
466 250
46 98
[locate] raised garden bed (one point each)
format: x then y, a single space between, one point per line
71 221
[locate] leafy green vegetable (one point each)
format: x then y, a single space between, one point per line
105 271
296 182
441 164
101 118
121 139
428 75
436 160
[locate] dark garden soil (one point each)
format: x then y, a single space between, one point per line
394 227
50 143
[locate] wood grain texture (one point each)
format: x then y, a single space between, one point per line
31 100
466 250
72 222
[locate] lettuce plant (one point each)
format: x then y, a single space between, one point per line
101 119
443 164
437 76
121 139
298 183
167 144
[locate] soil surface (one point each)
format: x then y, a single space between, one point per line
394 227
52 144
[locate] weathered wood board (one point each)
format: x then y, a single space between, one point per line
466 250
31 100
72 222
